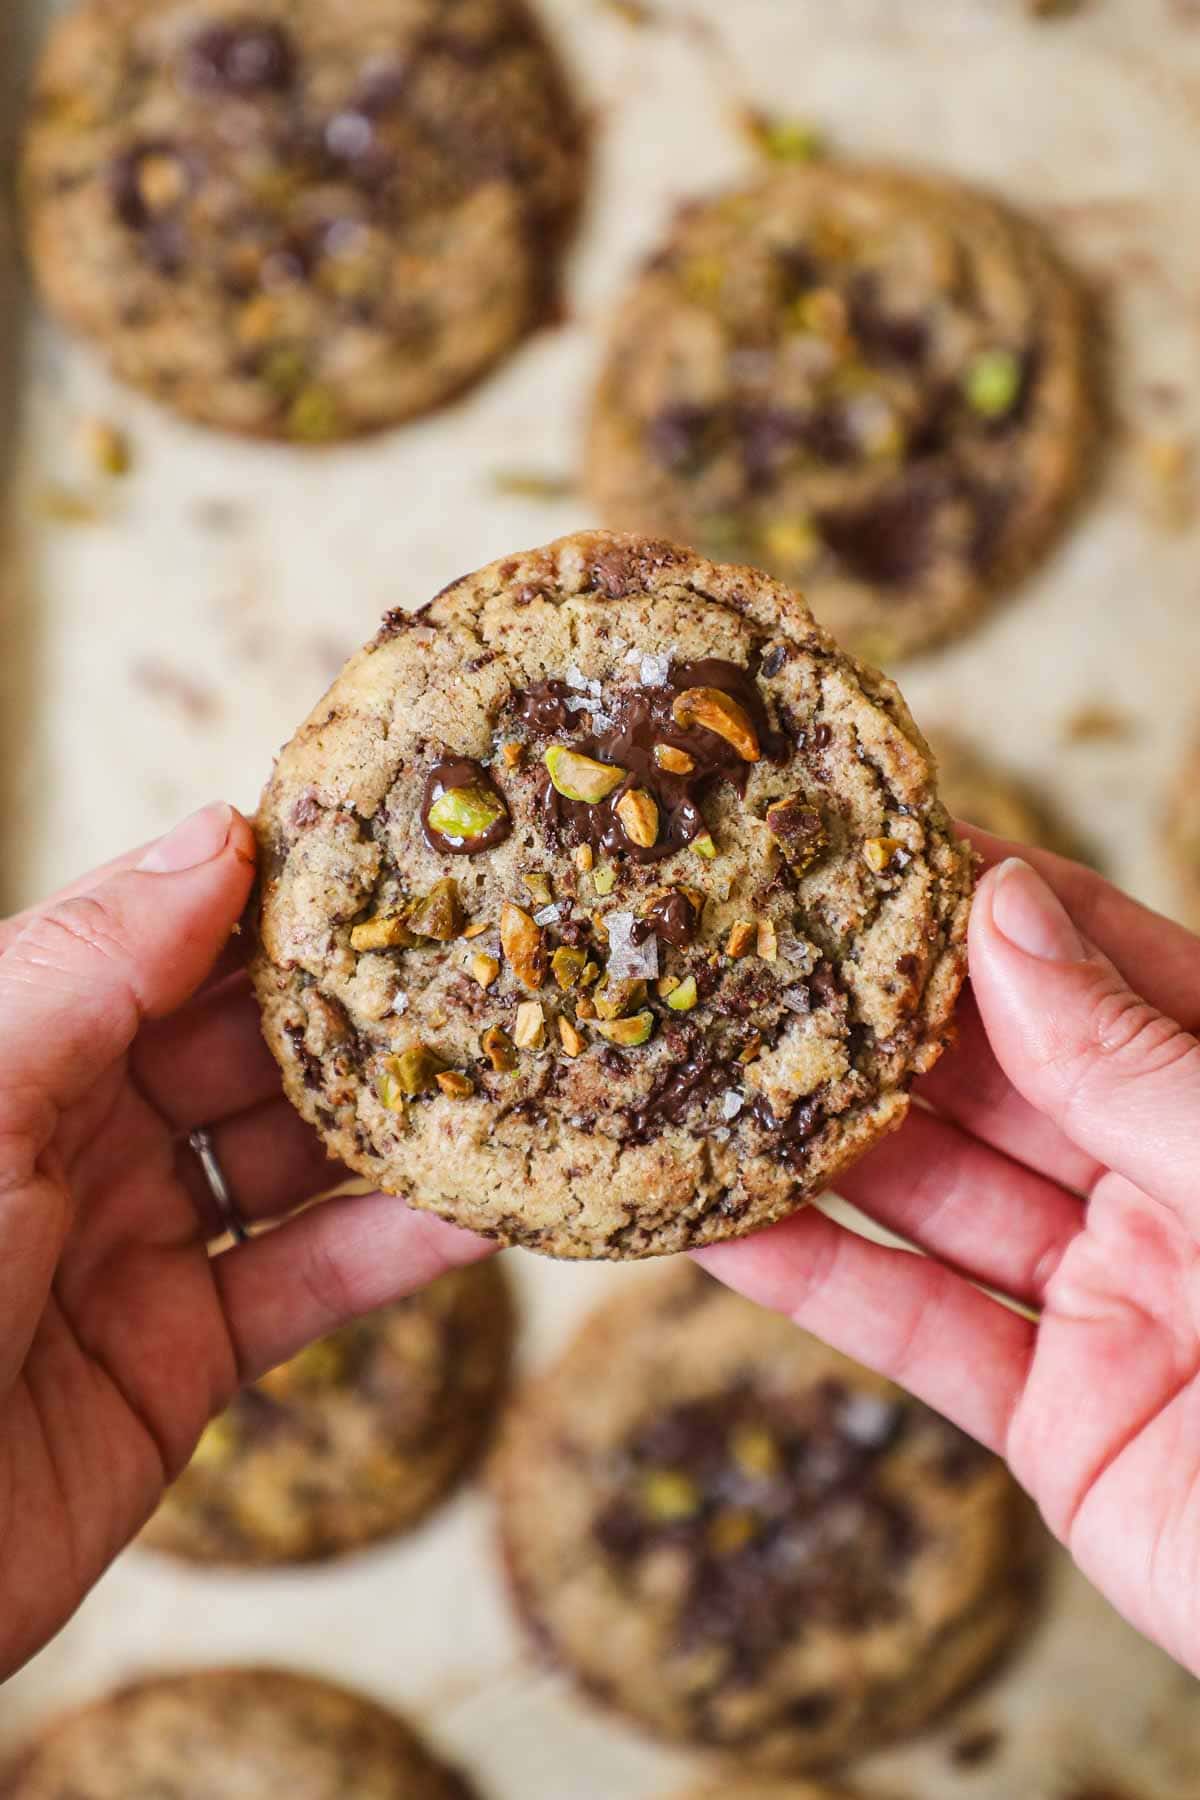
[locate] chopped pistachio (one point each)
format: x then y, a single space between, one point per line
752 1051
799 829
530 1030
389 1091
742 934
584 858
705 846
386 931
162 180
768 940
879 851
523 944
572 1041
675 762
733 1528
484 969
755 1451
455 1085
415 1069
439 915
638 813
313 416
685 996
718 712
466 812
217 1444
497 1046
584 1008
670 1496
567 966
604 880
620 997
591 974
539 887
783 140
993 383
628 1033
792 540
512 755
666 984
107 448
477 929
527 484
284 370
582 778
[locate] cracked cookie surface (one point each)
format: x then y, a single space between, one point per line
355 1439
298 220
875 384
742 1540
606 906
259 1734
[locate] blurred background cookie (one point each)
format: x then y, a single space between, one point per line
743 1540
981 790
230 1734
354 1439
299 220
874 384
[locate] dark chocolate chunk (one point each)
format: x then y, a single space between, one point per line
245 56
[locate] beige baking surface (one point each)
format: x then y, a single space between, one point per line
151 660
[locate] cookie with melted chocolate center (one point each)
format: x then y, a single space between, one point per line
875 384
255 1733
606 906
744 1541
355 1439
300 220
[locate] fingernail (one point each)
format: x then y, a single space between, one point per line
1031 916
197 840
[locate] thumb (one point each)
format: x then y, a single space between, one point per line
1118 1078
85 971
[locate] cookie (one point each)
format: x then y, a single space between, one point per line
230 1734
356 1438
766 1790
744 1541
298 220
979 790
607 907
874 384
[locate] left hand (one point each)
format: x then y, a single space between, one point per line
125 1023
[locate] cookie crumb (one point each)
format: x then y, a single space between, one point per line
1096 722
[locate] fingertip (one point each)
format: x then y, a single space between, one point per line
1015 909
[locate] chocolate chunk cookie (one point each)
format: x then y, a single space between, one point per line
296 219
874 384
766 1790
743 1540
606 906
979 790
230 1734
354 1439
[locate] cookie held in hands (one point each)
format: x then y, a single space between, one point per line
606 906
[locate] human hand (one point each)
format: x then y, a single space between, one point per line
1059 1163
126 1022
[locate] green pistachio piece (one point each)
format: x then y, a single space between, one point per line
685 996
539 887
604 879
284 370
993 383
415 1069
386 931
440 914
313 416
620 997
670 1496
580 777
628 1033
704 846
466 812
567 966
391 1094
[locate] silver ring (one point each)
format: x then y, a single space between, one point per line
231 1219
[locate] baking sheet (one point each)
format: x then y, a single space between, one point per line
157 650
